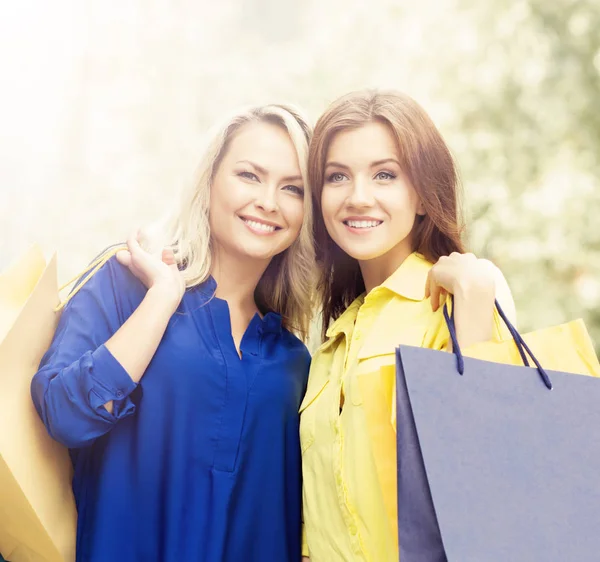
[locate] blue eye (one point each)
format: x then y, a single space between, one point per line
386 176
295 189
248 176
336 177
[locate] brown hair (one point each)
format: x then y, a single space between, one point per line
428 164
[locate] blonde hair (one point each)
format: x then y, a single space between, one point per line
286 287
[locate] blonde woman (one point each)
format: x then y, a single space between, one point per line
176 380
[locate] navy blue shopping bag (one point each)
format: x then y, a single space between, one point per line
496 463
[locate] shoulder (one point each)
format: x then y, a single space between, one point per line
293 344
111 285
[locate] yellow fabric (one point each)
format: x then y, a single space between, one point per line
37 508
304 543
349 457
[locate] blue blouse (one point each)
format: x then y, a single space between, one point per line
199 461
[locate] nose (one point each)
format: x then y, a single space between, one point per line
361 195
267 199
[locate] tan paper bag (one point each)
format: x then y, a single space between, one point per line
37 509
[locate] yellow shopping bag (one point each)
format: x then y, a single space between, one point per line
567 348
37 508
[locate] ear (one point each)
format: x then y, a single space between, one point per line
421 209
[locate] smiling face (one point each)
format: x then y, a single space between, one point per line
257 194
369 206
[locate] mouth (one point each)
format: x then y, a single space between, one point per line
259 226
361 225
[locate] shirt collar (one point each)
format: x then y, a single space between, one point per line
408 281
271 322
347 319
207 289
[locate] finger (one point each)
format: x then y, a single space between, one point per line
124 257
168 257
134 239
138 254
141 238
443 296
427 281
435 296
132 243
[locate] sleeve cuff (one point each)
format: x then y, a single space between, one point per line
304 543
111 383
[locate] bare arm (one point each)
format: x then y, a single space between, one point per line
137 340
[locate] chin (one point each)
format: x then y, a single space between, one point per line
364 256
362 253
259 253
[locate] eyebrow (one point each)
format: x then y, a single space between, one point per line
373 164
385 161
264 172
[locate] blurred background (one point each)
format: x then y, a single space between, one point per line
104 104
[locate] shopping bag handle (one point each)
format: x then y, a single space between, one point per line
522 346
81 278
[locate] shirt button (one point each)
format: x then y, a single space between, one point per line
353 529
358 334
119 394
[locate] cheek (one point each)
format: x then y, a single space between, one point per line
400 205
229 193
293 211
218 201
329 205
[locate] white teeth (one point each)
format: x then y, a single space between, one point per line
259 225
363 224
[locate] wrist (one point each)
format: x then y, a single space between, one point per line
164 298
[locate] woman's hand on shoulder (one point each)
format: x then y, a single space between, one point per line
464 275
161 276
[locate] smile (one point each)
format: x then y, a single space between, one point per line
260 227
362 224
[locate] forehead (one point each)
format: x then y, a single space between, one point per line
370 142
267 144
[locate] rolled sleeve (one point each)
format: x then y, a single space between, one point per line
110 383
71 401
79 375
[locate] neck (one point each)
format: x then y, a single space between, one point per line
377 270
237 278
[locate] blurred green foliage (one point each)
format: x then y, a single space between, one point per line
515 88
105 125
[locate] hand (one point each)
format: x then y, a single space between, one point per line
158 275
462 274
305 559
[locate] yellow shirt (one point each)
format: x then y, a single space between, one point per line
349 455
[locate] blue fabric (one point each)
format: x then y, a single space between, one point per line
200 461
